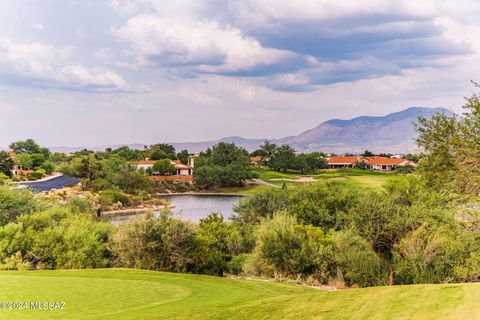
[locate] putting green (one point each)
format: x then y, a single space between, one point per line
136 294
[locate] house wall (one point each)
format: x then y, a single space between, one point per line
340 165
143 166
183 172
379 167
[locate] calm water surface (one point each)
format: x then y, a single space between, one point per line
195 207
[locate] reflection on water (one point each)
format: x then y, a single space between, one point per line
195 207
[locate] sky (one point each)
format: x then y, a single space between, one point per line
89 73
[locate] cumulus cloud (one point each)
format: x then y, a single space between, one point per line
305 44
204 46
42 65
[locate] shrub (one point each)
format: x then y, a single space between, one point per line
430 255
263 204
293 250
76 242
324 204
236 265
15 262
153 243
15 202
357 262
216 241
112 196
35 175
56 239
405 169
48 167
132 182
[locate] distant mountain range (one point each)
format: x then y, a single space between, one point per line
394 133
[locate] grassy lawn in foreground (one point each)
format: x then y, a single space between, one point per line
135 294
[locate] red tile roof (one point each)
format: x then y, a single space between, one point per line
343 160
387 161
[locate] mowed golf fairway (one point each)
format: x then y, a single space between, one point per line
135 294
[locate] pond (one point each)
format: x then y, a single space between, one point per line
195 207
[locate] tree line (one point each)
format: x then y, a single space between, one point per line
285 157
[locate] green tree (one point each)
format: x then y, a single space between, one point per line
129 154
6 164
37 160
161 151
224 154
207 177
258 153
163 167
183 156
283 158
438 137
29 146
225 165
268 149
24 160
157 154
316 160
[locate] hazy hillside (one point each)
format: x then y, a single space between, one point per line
391 133
394 132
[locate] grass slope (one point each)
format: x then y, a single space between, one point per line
134 294
358 177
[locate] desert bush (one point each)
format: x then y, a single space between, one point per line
113 196
432 255
56 239
162 243
216 242
292 250
15 202
263 204
357 261
35 175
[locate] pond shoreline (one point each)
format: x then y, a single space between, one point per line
185 206
132 211
202 194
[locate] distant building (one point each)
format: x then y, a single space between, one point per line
375 163
388 164
180 168
342 162
256 161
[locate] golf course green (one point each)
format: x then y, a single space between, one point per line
136 294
